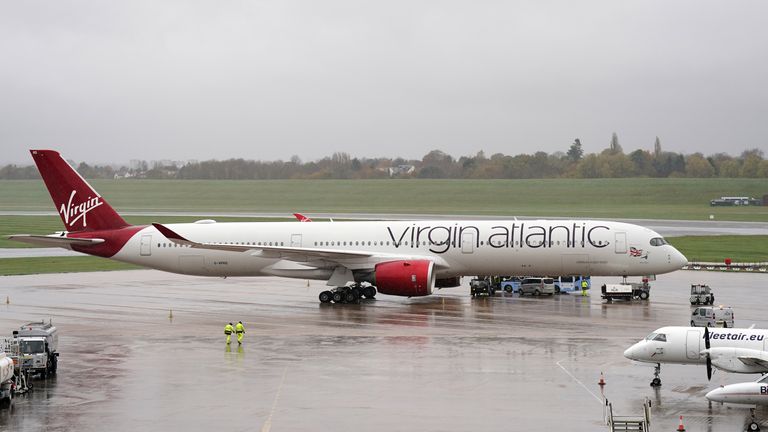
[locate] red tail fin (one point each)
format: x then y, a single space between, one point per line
81 208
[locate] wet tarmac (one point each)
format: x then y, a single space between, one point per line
440 363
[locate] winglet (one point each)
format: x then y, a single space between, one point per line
168 233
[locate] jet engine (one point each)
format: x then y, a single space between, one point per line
409 278
739 360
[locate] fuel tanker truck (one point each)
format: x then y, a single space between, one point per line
6 379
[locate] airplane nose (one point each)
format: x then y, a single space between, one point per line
717 395
633 352
677 259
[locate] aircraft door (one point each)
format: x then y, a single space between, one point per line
621 242
296 240
145 248
692 344
468 242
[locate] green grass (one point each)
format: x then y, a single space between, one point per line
22 266
718 248
673 198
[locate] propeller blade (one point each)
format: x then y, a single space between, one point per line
706 338
709 368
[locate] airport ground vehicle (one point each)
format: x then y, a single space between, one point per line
481 286
712 316
511 284
626 291
38 345
734 201
537 286
6 379
567 284
701 294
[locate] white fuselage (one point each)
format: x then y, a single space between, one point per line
752 393
684 345
544 247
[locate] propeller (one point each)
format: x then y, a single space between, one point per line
709 359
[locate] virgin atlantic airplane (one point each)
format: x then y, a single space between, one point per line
403 258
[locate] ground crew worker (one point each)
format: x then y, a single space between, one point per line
228 329
239 329
584 286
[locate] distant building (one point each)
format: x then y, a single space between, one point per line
400 170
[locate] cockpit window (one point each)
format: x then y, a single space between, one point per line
658 241
650 336
661 337
763 380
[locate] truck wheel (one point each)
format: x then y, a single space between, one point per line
693 324
508 289
643 295
536 292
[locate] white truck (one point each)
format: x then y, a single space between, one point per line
626 291
38 345
6 379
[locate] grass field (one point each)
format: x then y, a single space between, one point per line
606 198
21 266
599 198
718 248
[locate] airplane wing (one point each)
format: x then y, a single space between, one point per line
54 240
316 256
754 361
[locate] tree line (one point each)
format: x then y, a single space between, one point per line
612 162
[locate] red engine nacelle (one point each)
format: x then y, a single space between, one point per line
409 278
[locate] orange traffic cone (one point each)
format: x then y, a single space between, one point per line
602 380
681 428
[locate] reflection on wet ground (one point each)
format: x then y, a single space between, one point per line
445 362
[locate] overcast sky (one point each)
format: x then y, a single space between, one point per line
105 81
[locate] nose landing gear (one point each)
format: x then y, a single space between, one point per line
656 381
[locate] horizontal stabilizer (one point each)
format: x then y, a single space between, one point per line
54 241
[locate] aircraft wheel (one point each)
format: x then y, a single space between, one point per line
656 382
753 427
369 292
325 297
337 297
349 297
356 292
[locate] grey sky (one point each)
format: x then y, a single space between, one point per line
112 81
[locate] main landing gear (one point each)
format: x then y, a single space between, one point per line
656 381
348 294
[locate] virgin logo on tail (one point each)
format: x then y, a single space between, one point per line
72 213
